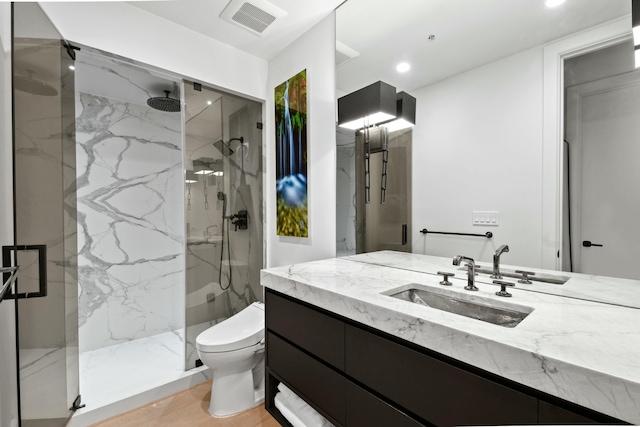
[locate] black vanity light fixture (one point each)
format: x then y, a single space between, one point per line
405 113
635 25
191 177
202 166
368 106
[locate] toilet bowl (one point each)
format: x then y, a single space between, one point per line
234 350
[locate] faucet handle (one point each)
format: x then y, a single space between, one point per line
503 288
445 277
525 276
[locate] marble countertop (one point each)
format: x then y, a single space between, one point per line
570 346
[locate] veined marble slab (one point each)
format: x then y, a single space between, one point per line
130 231
610 290
582 351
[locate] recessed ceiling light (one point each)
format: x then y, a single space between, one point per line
209 102
403 67
553 3
72 67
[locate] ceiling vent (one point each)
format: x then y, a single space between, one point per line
254 15
344 53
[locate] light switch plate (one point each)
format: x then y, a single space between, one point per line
486 218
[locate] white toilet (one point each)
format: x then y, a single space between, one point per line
234 350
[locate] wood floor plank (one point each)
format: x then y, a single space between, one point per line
188 408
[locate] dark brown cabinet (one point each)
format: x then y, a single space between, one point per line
315 332
436 391
310 378
366 410
357 376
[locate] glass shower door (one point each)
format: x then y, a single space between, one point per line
45 221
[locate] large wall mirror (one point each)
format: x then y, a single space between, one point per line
500 85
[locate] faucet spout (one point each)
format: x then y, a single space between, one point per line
496 261
471 271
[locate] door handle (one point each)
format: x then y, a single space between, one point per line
405 237
588 244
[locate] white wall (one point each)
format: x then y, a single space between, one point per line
477 146
123 29
315 52
8 382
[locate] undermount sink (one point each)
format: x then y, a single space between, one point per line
499 313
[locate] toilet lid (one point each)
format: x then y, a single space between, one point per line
243 329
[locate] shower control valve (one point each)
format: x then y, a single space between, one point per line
240 220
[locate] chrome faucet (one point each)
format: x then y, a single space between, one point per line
496 261
471 271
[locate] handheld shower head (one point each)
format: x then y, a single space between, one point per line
223 147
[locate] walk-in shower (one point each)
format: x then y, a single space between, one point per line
130 229
151 233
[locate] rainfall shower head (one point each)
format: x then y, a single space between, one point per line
35 87
170 105
224 147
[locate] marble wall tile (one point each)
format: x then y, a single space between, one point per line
130 221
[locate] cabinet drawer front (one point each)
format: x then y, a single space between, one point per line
366 410
316 332
552 414
431 388
316 382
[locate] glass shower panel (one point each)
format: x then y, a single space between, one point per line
46 232
345 192
245 181
385 226
223 169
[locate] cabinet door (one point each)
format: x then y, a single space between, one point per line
440 393
316 383
316 332
366 410
551 414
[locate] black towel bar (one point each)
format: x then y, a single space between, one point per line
488 234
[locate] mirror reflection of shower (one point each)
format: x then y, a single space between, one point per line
223 162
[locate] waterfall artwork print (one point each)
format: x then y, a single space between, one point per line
291 156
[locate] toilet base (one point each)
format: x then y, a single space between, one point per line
234 393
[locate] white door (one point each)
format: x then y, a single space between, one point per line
603 132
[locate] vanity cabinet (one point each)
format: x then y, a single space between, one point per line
434 390
357 376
